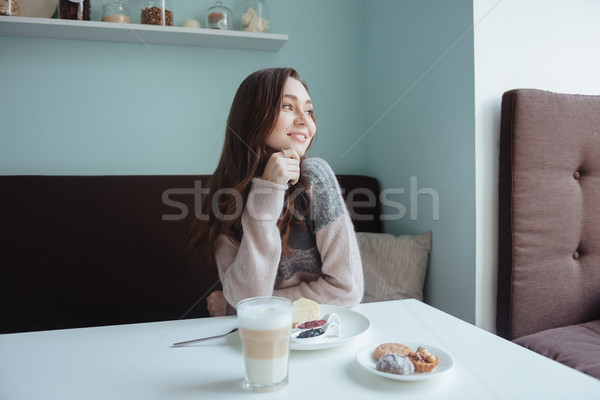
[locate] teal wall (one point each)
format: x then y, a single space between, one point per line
392 82
81 107
420 117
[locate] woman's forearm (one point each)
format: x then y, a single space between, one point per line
341 279
250 269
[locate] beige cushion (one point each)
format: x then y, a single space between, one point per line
394 266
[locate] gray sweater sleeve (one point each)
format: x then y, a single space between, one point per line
341 279
328 203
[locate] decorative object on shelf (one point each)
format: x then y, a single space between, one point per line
9 7
219 17
157 12
55 28
36 8
116 12
191 23
255 19
74 9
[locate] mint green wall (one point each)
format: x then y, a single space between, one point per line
80 107
392 82
420 123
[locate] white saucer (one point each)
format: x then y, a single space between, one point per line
354 324
366 358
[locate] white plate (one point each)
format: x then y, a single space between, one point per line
354 324
366 358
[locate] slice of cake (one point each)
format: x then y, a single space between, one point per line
305 310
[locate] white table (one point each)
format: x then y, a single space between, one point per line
137 362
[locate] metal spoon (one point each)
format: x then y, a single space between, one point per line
179 344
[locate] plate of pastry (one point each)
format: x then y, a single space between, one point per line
319 327
404 361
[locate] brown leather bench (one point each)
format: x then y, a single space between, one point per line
79 251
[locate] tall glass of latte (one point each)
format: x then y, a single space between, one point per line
265 325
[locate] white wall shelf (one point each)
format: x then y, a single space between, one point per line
137 33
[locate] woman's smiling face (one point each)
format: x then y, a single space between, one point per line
295 126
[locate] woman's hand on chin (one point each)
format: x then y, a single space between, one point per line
283 167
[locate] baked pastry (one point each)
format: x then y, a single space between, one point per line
395 363
423 360
387 348
305 310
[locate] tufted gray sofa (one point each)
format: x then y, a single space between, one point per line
549 226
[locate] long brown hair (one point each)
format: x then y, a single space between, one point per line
245 153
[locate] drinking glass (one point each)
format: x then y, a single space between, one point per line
265 325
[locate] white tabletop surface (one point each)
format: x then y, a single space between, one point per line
137 362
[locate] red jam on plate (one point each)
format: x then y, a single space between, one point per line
311 324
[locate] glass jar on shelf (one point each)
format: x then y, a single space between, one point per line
157 12
256 16
9 7
219 17
74 9
115 12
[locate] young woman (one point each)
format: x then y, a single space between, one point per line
277 221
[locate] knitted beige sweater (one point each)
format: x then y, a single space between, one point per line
326 265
